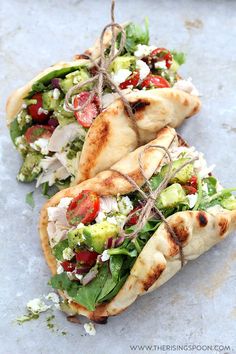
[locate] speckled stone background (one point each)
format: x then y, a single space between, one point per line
198 305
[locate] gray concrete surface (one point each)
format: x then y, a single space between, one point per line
198 305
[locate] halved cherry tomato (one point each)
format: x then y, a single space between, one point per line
38 131
68 266
135 215
193 181
87 257
34 109
189 189
90 111
155 81
83 208
160 54
133 80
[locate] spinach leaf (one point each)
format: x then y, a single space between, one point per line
15 130
57 250
179 57
135 34
62 282
29 199
107 288
87 295
116 262
115 290
211 184
155 181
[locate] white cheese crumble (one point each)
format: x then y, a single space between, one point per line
20 177
41 110
24 105
41 145
121 75
144 69
21 143
68 253
53 297
160 64
108 204
90 329
143 50
105 256
60 269
56 93
192 198
186 86
80 226
125 205
37 305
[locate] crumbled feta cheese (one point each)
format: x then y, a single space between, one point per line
90 329
21 143
143 50
56 94
24 105
121 75
112 220
41 110
64 202
144 69
53 297
37 305
100 217
41 145
125 205
60 269
186 86
20 177
80 226
192 198
67 253
105 256
160 64
79 276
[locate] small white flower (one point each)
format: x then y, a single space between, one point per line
90 329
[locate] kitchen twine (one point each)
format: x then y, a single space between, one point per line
101 79
145 212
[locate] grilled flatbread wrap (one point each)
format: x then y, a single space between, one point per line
61 147
197 230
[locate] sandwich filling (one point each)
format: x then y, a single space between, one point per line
50 138
89 234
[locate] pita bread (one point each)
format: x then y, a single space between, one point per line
112 136
159 260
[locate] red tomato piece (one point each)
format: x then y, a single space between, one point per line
38 131
160 54
87 257
189 189
68 266
155 81
34 109
135 215
193 181
132 80
83 208
90 111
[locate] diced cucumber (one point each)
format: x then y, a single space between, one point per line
30 168
97 234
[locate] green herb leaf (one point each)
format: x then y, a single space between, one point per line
62 282
136 34
115 266
115 290
156 180
211 184
57 250
29 199
179 57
